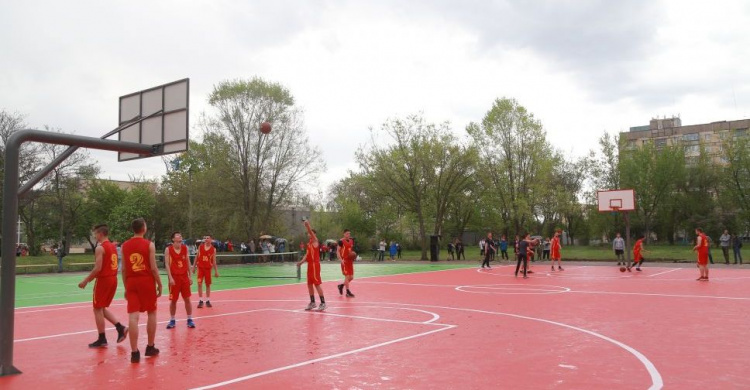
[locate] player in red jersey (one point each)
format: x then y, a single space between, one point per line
313 269
555 251
347 263
638 254
203 263
701 246
179 272
105 273
142 286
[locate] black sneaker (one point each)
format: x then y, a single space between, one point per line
151 350
135 357
122 334
200 304
638 269
341 289
98 344
349 294
208 304
560 268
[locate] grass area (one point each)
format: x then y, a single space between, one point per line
35 290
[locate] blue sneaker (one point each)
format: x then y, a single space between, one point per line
190 323
171 324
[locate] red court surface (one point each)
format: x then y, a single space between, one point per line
588 327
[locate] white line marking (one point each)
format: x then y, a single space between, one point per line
312 361
567 366
660 295
323 313
530 290
665 272
435 316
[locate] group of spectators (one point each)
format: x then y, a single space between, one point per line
457 247
726 242
394 250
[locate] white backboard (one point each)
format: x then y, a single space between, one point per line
166 108
616 200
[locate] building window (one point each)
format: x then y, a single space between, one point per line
691 137
660 143
692 150
740 133
707 136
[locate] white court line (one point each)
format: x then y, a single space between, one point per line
661 295
529 289
312 361
435 316
322 313
409 284
665 272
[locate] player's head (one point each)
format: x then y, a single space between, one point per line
526 236
138 226
489 235
617 234
698 230
176 237
347 233
641 236
100 232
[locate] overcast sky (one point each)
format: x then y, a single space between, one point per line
582 67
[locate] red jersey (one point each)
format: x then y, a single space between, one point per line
109 260
313 256
704 244
346 245
205 257
135 254
637 249
178 262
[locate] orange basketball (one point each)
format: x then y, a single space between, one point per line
622 269
265 127
352 255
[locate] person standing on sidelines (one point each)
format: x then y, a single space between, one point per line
555 251
142 286
737 248
701 247
489 249
724 242
179 272
503 248
460 250
638 254
205 261
313 269
347 263
105 274
618 245
523 248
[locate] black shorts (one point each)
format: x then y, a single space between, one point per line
619 252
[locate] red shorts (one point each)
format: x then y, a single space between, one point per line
104 290
555 254
702 258
140 292
313 273
637 257
181 287
347 268
204 275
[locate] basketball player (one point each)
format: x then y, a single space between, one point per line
179 272
204 262
701 246
142 286
638 254
313 269
105 273
489 250
347 263
523 248
555 251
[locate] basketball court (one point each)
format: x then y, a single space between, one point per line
586 327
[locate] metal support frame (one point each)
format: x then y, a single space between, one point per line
10 215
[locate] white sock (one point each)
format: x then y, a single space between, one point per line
172 318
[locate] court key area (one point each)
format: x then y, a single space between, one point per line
588 327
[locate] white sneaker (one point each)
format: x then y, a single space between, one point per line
322 307
311 306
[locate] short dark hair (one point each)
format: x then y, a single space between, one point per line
174 233
138 225
347 230
699 230
103 229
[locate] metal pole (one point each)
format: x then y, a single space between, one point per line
67 153
10 215
627 236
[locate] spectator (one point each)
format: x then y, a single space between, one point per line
243 247
230 246
546 248
393 250
450 251
503 247
618 245
398 250
736 247
481 247
460 250
381 250
724 242
251 247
